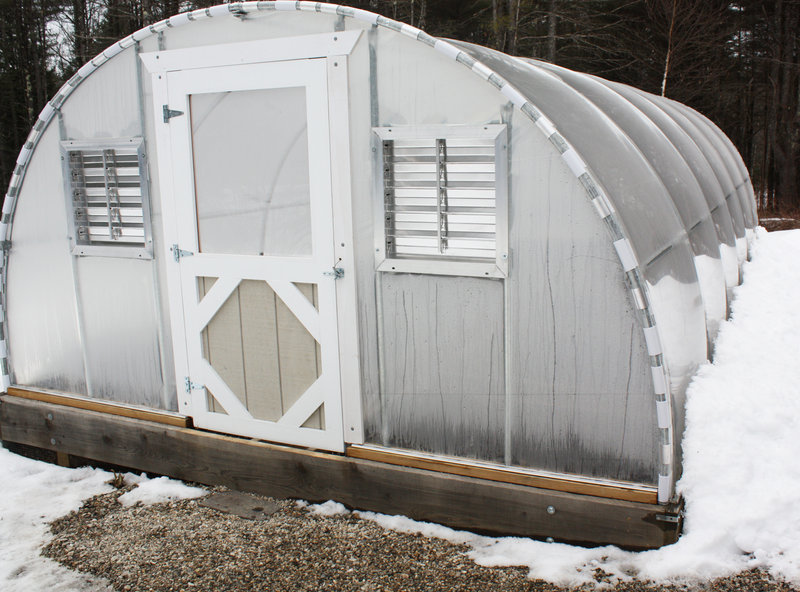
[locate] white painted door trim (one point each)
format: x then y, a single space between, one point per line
339 43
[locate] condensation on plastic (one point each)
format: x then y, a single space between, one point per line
42 328
580 393
677 178
251 172
556 383
117 300
444 380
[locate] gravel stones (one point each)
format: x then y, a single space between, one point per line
183 546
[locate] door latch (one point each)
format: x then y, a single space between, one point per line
177 252
191 386
337 272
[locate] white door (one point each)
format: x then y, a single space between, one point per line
250 158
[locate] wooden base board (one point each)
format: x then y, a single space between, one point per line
280 471
166 417
506 474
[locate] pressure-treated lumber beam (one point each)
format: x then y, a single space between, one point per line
284 472
155 415
479 470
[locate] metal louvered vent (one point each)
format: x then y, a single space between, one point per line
444 198
106 187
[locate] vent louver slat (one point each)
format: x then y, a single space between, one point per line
440 198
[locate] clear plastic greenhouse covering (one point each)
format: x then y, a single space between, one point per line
539 259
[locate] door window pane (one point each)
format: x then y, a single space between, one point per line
250 151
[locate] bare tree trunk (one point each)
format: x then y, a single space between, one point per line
80 42
513 27
496 23
787 140
552 19
669 48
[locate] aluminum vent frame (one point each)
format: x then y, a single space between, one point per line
109 214
435 231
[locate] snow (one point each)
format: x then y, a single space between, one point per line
740 483
329 508
159 490
40 493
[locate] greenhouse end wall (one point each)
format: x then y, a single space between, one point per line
541 363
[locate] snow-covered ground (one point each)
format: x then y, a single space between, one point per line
35 493
741 477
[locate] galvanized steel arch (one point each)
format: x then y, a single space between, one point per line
570 156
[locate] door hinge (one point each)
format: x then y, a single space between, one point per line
177 252
191 386
170 113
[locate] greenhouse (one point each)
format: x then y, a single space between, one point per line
415 275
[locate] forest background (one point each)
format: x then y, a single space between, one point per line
736 62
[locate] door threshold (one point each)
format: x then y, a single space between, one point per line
482 470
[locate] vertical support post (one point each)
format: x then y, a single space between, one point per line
75 281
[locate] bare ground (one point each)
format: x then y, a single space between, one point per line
779 222
182 546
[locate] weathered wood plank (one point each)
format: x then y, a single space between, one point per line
506 475
166 417
461 502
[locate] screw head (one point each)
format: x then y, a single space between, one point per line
50 416
53 441
551 510
549 540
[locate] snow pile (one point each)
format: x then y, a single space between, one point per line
156 491
742 470
35 493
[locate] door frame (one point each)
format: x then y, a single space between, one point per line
334 48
